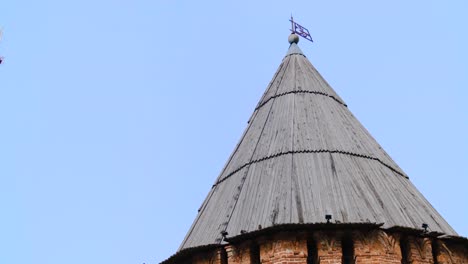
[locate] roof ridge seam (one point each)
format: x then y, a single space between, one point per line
302 91
296 53
306 152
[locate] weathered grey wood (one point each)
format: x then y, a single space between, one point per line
211 220
276 82
302 156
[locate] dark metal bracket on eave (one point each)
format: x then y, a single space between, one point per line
299 92
309 151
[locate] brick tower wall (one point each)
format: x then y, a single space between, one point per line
370 247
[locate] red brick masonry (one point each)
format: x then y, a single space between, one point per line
370 247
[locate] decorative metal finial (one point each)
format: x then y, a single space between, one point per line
293 38
299 30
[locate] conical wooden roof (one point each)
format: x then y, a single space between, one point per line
302 156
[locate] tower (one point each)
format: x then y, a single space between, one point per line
308 184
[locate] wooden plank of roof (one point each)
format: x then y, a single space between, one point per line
288 83
276 82
247 146
308 79
265 197
361 189
277 133
207 229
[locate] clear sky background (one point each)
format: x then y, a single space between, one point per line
117 116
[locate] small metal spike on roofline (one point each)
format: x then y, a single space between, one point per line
300 30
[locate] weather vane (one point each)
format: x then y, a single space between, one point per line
300 30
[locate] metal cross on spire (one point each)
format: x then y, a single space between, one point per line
300 30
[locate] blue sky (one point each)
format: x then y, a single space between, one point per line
117 116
